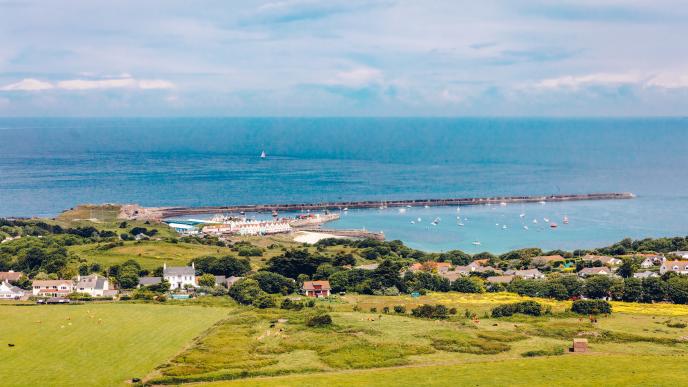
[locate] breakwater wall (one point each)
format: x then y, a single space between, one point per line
147 213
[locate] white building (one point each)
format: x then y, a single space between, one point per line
52 288
94 285
680 267
10 292
179 276
249 227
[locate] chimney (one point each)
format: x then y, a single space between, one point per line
193 265
164 266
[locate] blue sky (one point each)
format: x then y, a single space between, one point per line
343 58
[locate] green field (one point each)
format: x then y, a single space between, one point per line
210 339
94 344
573 370
252 343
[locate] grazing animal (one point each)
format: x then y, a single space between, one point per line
10 345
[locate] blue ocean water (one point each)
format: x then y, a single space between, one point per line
50 164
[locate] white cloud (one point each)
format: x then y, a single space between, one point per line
155 84
84 84
574 82
668 81
358 77
28 84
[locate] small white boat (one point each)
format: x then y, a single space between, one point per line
525 227
542 202
346 209
419 220
426 206
553 225
503 204
504 227
436 221
413 222
566 220
535 221
522 215
408 206
402 210
461 224
458 209
263 155
497 224
477 243
546 220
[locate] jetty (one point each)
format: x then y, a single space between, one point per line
132 211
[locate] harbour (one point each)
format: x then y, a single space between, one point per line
132 211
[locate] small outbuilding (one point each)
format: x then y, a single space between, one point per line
579 345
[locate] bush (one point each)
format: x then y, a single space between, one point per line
263 301
401 309
544 352
385 310
319 320
530 308
591 307
430 311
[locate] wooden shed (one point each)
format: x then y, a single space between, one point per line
579 345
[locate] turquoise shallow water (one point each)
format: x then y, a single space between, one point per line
47 165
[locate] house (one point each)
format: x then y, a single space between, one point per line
682 254
526 274
645 274
588 271
52 288
220 280
680 267
232 280
95 286
452 275
179 277
148 281
316 288
10 276
606 260
10 292
486 269
500 279
547 259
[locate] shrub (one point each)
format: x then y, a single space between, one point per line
319 320
430 311
530 308
544 352
676 324
385 310
373 310
591 307
263 301
310 303
401 309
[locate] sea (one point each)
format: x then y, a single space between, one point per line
48 165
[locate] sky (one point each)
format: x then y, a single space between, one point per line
344 58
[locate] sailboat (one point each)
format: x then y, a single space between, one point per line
263 155
566 220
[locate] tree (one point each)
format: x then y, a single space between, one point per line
557 291
128 274
274 283
468 285
628 268
207 280
342 259
573 285
386 275
678 289
597 286
591 307
633 289
654 290
226 265
245 291
263 301
295 262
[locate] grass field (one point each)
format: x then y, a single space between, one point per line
149 254
570 370
254 344
94 344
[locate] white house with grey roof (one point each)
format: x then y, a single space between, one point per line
179 276
94 285
10 292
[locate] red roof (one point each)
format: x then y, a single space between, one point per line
316 285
